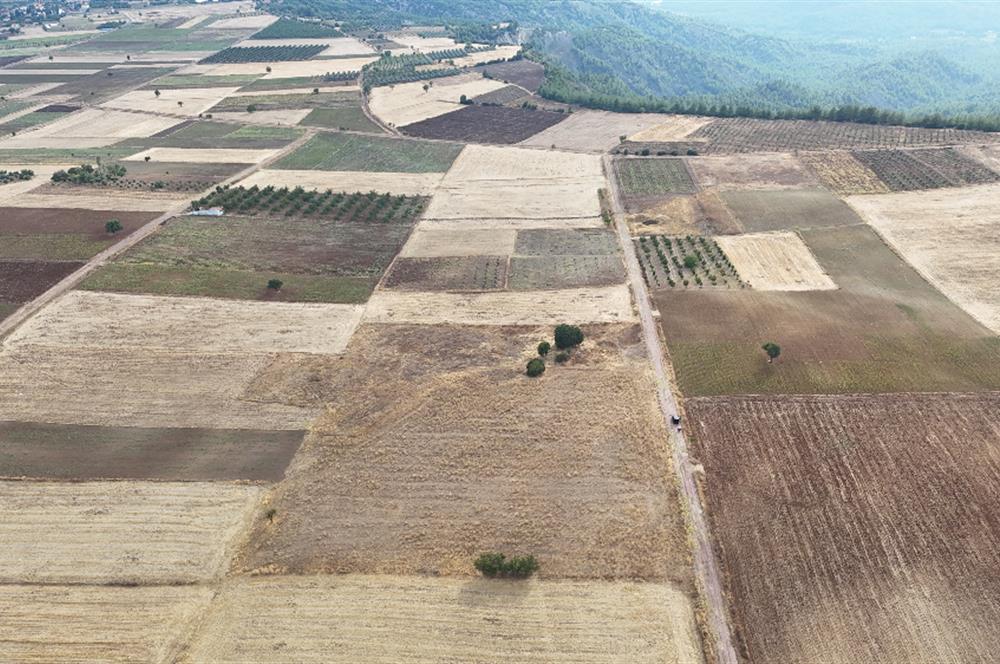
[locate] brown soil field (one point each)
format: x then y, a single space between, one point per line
71 452
593 131
951 237
448 273
600 503
884 330
863 530
546 272
575 242
704 213
111 387
760 211
525 73
56 196
31 221
648 182
843 174
508 95
84 319
121 532
775 261
343 619
485 242
485 124
925 169
746 171
98 623
607 304
21 281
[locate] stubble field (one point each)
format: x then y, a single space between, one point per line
775 261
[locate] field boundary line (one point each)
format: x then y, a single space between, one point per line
707 574
32 307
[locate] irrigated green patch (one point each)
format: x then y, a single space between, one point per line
346 152
884 330
285 28
347 118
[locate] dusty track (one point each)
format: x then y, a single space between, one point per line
706 566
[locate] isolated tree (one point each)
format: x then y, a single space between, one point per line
275 284
773 350
146 158
543 348
690 261
251 108
113 226
268 69
315 91
180 103
536 367
157 92
567 336
489 564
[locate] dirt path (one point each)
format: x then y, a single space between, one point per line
706 566
29 309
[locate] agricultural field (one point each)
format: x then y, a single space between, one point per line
473 242
406 103
347 152
761 211
685 262
595 622
56 234
285 71
885 329
485 124
592 131
873 532
349 182
841 173
285 28
276 102
104 86
348 118
507 95
196 134
775 261
450 273
671 128
90 128
186 158
180 81
522 73
187 102
751 171
925 169
23 280
528 273
646 181
951 237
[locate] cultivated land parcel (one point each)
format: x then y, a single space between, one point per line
285 429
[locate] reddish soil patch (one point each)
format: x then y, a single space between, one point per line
33 221
21 281
58 451
485 124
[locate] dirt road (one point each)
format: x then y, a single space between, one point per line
706 566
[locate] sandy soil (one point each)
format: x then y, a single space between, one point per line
951 236
194 100
287 117
137 388
283 69
842 173
203 155
413 184
610 304
775 261
757 171
90 127
344 619
84 319
98 623
407 103
484 242
674 128
245 22
120 532
593 131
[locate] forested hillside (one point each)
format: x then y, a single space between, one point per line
636 54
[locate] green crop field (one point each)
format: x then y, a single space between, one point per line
349 118
176 81
343 152
653 177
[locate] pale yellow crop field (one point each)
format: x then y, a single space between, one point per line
479 57
673 128
89 128
203 155
394 619
335 46
189 102
85 319
951 236
483 242
414 41
609 304
44 624
288 117
766 170
463 225
411 184
120 532
245 22
775 261
97 199
593 131
283 69
13 191
490 163
406 103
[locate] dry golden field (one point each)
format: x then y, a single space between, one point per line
481 242
750 171
406 103
408 184
842 173
775 261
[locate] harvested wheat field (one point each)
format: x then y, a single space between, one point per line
468 225
98 199
406 184
671 128
344 619
607 304
704 213
842 173
593 131
296 69
202 156
284 117
600 503
189 102
14 190
98 623
482 242
112 387
90 128
865 530
751 171
120 532
244 22
951 236
775 261
406 103
84 319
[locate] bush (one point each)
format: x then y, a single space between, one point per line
543 348
275 284
562 357
497 564
113 226
690 262
536 367
567 336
